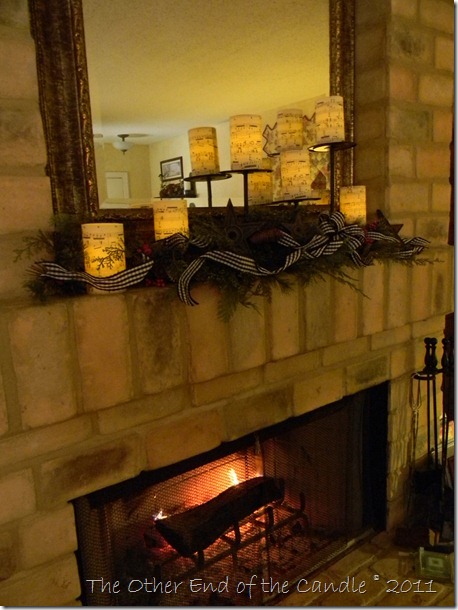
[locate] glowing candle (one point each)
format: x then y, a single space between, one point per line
295 174
290 129
329 118
103 248
246 141
260 184
203 147
170 217
353 203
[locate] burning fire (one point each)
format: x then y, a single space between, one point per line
233 477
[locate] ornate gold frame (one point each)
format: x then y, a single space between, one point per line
57 28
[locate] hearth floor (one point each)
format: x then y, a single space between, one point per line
379 564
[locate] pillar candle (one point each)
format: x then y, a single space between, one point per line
329 118
170 217
295 174
353 203
103 248
203 147
246 141
290 129
260 184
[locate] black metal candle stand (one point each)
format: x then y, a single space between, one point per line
245 173
332 148
209 178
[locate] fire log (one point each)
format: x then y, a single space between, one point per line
195 529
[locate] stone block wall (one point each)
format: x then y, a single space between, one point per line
25 195
404 110
83 409
95 389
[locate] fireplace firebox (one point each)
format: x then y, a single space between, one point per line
231 526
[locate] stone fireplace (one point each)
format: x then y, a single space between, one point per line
98 389
112 386
271 507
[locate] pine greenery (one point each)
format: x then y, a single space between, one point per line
253 235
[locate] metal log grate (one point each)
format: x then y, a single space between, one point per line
298 503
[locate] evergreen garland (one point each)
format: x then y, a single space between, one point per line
256 236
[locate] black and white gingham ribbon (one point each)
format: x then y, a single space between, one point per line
112 283
239 262
411 247
334 234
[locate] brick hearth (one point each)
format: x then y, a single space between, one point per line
376 563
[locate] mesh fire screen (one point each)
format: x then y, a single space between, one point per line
230 527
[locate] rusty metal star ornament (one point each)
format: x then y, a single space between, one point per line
238 230
384 225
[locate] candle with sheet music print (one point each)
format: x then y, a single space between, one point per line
290 129
260 184
329 119
203 148
352 203
295 174
103 250
170 217
246 141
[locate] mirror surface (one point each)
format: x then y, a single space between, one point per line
58 31
161 68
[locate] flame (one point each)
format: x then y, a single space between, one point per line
233 477
159 515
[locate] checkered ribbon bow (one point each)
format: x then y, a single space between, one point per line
333 235
409 247
112 283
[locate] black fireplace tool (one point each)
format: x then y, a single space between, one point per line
428 374
430 484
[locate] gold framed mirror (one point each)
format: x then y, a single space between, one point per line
58 31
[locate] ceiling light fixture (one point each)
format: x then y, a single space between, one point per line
122 145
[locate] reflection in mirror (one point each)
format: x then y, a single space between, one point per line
195 63
67 107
